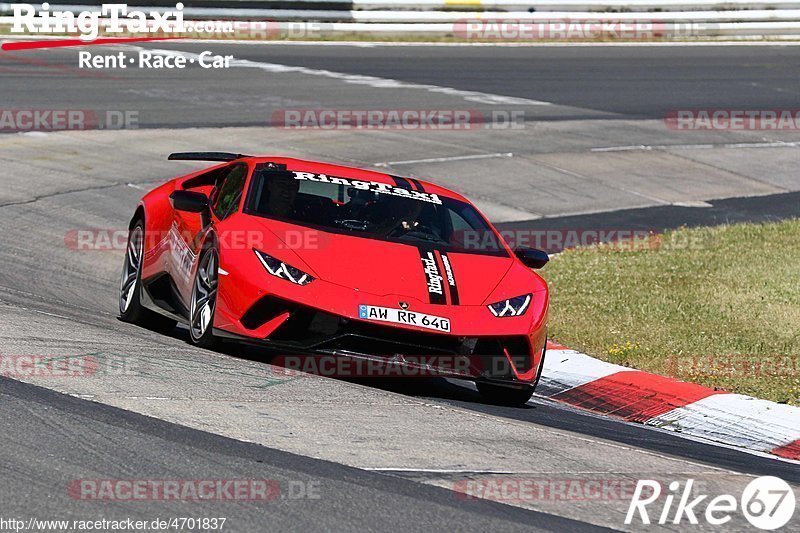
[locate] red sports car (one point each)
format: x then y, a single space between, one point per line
323 260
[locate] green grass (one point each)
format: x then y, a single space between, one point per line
719 306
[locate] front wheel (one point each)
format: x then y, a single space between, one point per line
204 300
130 287
502 395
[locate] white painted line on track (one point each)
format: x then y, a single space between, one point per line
646 147
502 472
358 79
458 471
565 434
444 159
650 198
629 148
692 203
49 314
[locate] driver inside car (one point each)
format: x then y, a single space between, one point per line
398 216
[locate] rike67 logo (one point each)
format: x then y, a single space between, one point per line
767 502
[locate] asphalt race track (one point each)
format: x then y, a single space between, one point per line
585 82
593 149
103 437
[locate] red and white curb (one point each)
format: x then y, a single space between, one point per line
686 408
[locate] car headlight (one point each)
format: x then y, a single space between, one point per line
511 307
279 269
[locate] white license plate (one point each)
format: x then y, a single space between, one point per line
398 316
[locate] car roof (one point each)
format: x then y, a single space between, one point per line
342 171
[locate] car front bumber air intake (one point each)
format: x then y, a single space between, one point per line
312 330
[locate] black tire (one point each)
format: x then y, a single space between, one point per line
503 395
130 288
512 396
204 300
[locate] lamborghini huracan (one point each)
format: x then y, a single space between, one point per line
325 260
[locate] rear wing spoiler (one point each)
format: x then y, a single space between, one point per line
205 156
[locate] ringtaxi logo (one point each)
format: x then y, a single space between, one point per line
767 502
117 19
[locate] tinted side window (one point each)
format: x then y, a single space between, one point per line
230 191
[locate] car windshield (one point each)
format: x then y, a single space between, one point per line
372 210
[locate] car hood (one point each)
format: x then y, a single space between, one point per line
388 268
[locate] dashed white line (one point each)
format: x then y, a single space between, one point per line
45 313
506 472
444 159
645 147
692 203
370 81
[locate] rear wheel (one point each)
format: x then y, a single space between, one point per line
204 300
502 395
130 287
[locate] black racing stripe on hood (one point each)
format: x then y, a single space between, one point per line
417 184
450 278
403 183
433 276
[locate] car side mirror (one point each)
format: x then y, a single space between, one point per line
532 257
191 202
